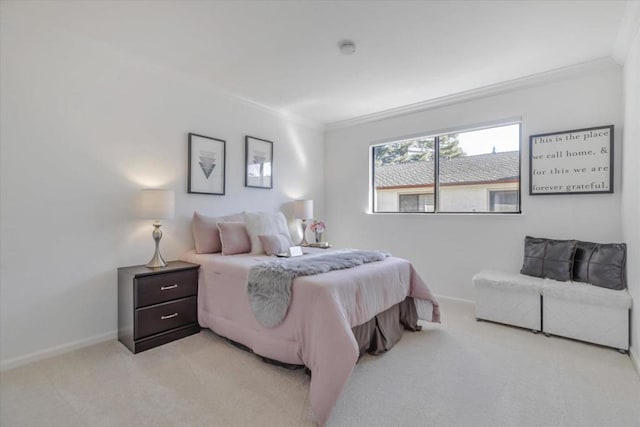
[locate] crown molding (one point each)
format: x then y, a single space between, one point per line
482 92
239 99
629 28
283 114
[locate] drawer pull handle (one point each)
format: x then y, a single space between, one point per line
169 316
165 288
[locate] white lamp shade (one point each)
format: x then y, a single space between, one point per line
157 204
303 209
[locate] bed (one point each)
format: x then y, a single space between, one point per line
326 313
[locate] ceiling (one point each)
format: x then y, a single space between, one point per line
284 54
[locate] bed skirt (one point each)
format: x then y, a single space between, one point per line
382 332
376 336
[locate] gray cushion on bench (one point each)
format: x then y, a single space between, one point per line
601 264
548 258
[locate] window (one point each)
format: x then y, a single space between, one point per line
418 202
462 172
503 201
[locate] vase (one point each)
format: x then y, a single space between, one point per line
318 236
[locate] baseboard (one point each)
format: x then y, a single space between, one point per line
635 359
466 301
56 350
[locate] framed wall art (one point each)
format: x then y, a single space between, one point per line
571 162
207 158
258 162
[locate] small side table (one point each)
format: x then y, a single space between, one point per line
157 305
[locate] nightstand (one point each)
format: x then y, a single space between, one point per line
157 305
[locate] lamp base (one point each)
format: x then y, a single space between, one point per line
304 242
156 260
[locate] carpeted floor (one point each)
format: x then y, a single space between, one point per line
462 373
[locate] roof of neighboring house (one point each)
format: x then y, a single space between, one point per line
493 167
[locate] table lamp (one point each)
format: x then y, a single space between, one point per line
303 210
157 204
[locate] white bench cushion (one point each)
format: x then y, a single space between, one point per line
510 282
586 294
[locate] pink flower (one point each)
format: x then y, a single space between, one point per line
318 226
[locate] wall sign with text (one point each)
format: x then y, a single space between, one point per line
572 162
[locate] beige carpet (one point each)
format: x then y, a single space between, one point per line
463 373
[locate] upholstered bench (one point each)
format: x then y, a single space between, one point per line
513 299
586 313
570 288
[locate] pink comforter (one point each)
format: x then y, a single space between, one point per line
317 329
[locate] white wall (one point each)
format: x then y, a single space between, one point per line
84 127
631 185
448 249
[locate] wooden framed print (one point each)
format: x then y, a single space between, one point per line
571 162
258 162
207 158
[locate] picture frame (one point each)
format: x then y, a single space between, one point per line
207 165
578 161
258 162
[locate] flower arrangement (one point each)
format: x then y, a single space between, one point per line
318 226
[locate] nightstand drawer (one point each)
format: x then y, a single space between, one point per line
165 287
162 317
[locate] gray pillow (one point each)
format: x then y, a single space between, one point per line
601 264
548 258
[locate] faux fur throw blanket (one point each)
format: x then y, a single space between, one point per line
269 285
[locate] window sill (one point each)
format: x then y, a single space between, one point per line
446 213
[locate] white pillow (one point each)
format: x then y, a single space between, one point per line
274 243
258 223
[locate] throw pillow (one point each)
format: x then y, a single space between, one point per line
264 223
534 249
206 235
234 238
548 258
584 250
601 264
274 243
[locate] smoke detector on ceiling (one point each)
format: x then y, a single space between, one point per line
347 47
